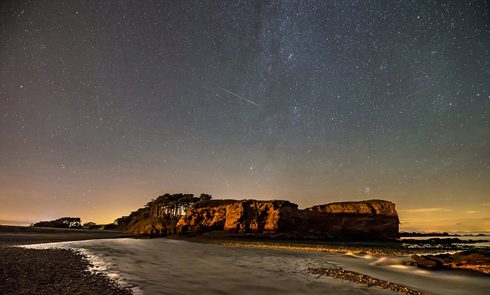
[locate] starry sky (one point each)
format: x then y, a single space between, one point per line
106 105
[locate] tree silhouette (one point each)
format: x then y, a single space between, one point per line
205 197
64 222
162 212
90 225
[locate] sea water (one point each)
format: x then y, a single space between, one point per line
481 239
163 266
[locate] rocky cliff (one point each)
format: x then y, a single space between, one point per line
372 219
365 219
238 216
371 207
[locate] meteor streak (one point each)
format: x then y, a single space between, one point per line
98 104
239 96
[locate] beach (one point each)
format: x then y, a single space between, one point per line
51 271
22 235
64 267
172 266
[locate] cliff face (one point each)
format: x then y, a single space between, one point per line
161 217
373 219
365 219
371 207
237 216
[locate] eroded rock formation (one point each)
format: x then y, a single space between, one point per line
371 207
478 260
366 219
240 216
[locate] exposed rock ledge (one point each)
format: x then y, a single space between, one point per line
478 260
366 219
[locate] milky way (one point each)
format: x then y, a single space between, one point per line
108 104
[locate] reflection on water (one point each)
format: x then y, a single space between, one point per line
162 266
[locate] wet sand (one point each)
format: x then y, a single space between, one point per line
51 271
385 248
21 235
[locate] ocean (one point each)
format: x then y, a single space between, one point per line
482 238
164 266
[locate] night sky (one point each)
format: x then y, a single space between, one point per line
106 105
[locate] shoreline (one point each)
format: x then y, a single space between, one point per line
367 248
52 271
22 282
60 271
468 261
20 235
332 272
379 248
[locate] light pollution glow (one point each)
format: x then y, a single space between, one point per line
311 101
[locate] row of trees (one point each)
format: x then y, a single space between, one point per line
67 222
173 206
63 222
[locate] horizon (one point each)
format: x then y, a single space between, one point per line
107 104
403 222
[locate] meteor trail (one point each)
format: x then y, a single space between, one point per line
98 104
239 96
